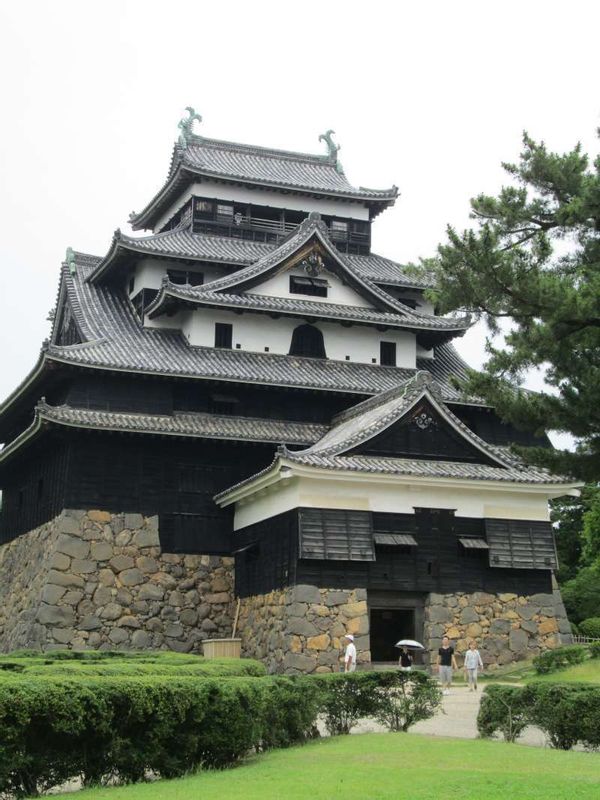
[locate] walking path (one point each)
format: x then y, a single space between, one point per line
457 718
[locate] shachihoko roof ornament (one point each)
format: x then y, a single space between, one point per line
332 148
186 125
70 260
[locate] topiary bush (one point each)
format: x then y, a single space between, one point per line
553 660
594 649
347 697
502 710
590 627
407 698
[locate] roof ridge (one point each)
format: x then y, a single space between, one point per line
289 155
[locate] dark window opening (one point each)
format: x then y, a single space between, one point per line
183 277
314 287
408 301
387 354
142 300
223 334
223 404
307 341
131 284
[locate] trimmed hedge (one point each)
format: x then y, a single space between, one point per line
567 713
553 660
52 731
594 649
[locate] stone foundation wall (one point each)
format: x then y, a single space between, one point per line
91 579
507 627
300 629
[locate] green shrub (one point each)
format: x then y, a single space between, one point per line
347 697
553 660
590 627
53 730
502 710
594 649
581 595
406 699
567 713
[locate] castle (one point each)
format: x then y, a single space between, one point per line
248 404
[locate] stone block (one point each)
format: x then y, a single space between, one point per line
129 621
101 551
132 521
59 561
357 609
124 596
300 662
529 625
131 577
72 597
140 640
453 633
297 609
527 612
147 538
155 625
220 584
295 644
72 546
123 538
301 627
320 642
179 646
217 598
174 631
440 614
150 591
102 517
303 593
111 611
90 623
118 636
358 625
51 593
319 611
500 626
473 630
65 579
63 635
84 566
482 598
548 626
69 525
542 600
177 599
517 641
336 598
63 617
188 616
121 562
147 565
208 626
102 595
106 577
468 614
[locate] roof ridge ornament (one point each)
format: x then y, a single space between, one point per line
186 126
70 260
332 148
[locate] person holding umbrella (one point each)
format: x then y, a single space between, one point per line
405 661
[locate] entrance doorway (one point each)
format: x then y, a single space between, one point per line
387 626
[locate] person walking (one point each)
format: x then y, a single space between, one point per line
472 663
350 654
446 663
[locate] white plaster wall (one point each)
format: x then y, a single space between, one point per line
149 273
400 496
279 286
254 332
266 197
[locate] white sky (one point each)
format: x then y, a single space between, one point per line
431 96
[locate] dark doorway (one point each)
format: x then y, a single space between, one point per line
388 625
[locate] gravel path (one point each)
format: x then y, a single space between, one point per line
457 718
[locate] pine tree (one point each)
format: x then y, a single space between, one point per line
533 259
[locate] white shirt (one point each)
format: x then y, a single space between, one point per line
472 659
350 653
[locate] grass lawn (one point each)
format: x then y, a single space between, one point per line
391 765
588 672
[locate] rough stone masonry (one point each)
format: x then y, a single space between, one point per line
92 579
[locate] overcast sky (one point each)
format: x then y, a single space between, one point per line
431 96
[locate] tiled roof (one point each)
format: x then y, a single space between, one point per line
362 422
120 343
261 167
433 469
196 425
299 306
183 244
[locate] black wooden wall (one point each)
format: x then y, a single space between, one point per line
439 563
